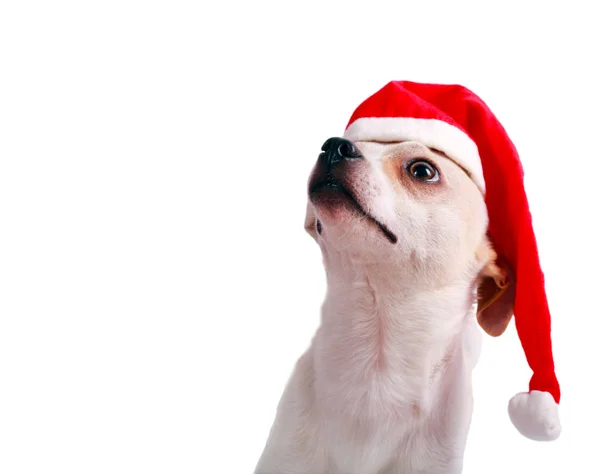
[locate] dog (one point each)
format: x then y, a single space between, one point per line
385 386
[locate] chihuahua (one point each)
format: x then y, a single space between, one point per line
385 386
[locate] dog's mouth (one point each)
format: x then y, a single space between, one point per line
334 186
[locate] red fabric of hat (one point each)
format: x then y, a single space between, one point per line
454 120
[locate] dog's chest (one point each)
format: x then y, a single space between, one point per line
371 378
391 400
385 449
360 449
371 424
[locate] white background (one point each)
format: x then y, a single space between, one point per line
156 283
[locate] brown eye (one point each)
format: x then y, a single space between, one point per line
423 171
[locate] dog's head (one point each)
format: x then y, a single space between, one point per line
410 212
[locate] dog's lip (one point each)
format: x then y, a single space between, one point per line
336 185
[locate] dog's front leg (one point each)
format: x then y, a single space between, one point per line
293 443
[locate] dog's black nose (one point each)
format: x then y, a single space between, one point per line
337 149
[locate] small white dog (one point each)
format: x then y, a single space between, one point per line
400 210
386 385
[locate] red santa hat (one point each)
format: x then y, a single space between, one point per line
453 120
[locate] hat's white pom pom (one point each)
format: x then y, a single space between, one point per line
535 415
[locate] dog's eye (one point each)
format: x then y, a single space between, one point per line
424 171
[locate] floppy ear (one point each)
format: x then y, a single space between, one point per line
310 221
495 293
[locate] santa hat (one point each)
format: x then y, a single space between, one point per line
453 120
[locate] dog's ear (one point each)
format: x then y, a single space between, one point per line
495 292
310 221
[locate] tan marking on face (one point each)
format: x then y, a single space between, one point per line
454 187
397 160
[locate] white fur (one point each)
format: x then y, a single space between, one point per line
385 386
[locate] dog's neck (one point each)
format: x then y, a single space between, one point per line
387 336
